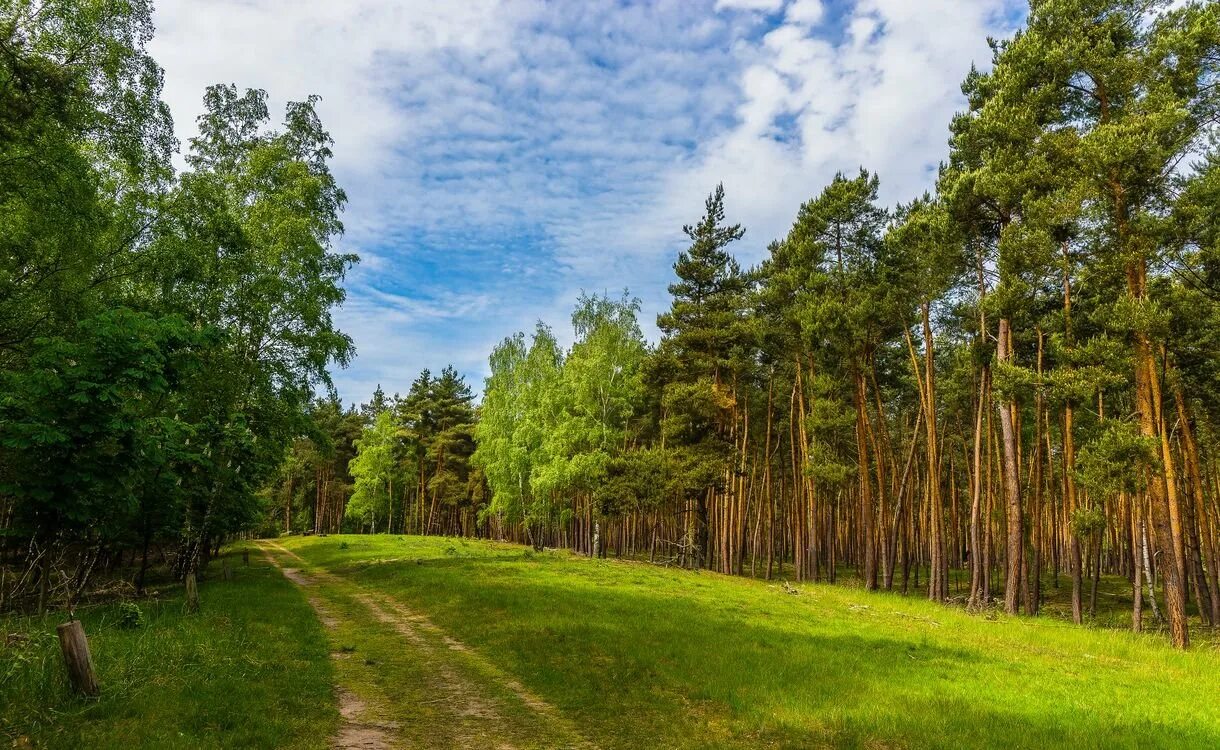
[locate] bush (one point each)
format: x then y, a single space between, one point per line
131 616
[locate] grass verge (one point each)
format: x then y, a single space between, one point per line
249 670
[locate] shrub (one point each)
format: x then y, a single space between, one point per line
131 616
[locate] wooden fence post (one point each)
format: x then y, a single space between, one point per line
226 573
245 557
192 593
75 648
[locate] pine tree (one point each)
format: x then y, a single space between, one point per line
701 328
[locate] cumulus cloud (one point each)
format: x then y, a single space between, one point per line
804 12
762 5
501 155
878 93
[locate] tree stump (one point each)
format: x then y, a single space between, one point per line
192 593
75 648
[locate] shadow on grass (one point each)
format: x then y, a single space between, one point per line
653 657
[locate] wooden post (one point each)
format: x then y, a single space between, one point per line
192 593
227 574
44 579
245 557
75 648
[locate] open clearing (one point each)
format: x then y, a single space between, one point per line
412 642
495 643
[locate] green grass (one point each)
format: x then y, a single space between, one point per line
398 683
249 670
634 655
641 656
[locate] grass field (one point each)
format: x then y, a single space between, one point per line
641 656
435 642
250 669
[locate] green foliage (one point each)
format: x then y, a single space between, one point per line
925 255
374 470
517 414
828 467
248 242
598 394
1088 521
704 351
437 423
1118 460
161 335
551 423
1130 315
704 321
1013 382
129 616
85 431
638 480
836 255
84 151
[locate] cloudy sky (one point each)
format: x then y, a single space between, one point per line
500 157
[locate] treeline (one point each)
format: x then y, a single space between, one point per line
398 464
1015 376
161 332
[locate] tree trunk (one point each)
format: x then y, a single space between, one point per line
1137 594
1012 479
939 578
1163 515
192 593
1071 506
869 566
978 572
1209 608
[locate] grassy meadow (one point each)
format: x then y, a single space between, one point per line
249 670
643 656
626 654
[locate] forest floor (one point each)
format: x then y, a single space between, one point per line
413 642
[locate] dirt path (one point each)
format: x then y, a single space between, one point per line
356 730
471 702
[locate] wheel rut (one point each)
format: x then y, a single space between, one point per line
356 730
469 694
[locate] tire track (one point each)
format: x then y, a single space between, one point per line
355 731
472 706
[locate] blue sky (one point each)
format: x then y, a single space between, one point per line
502 156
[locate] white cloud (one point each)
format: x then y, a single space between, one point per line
293 48
500 156
757 5
881 97
804 12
